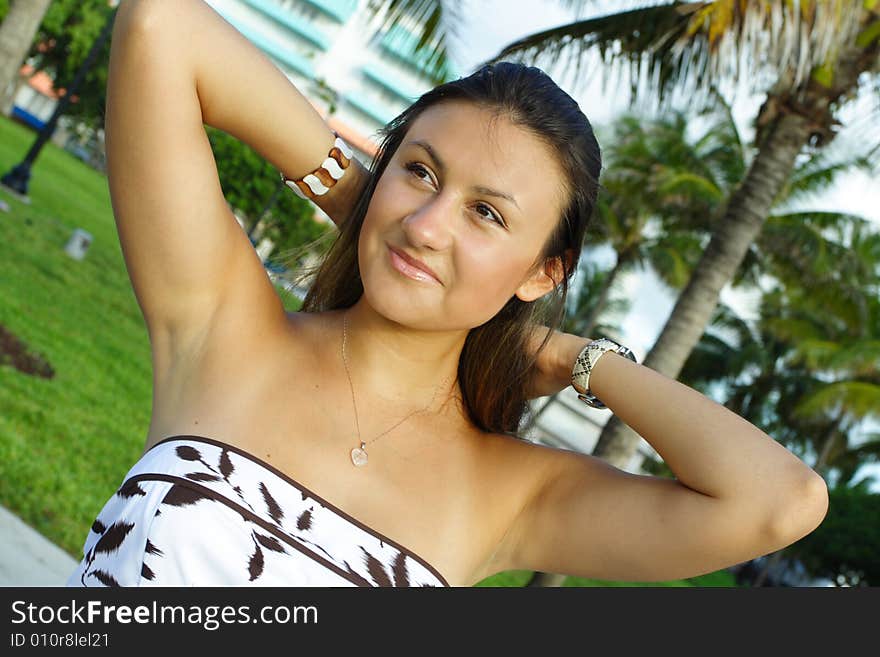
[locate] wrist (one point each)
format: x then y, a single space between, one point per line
589 368
339 202
566 354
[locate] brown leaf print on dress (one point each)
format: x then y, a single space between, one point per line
111 540
113 537
179 495
202 476
146 573
270 542
105 578
226 467
274 510
380 575
255 564
152 549
188 453
130 490
304 521
398 567
376 570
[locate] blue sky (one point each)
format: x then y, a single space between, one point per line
488 25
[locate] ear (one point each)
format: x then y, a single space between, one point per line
545 277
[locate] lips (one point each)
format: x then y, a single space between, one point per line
418 264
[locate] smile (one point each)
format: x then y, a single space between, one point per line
409 270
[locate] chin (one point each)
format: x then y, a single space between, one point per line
397 305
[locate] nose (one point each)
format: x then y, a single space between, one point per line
431 224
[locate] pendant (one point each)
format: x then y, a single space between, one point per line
359 455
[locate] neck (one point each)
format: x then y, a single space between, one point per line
398 366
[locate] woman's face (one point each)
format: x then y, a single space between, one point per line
474 200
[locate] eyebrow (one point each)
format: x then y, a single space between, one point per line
442 166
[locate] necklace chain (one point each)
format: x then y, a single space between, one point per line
359 455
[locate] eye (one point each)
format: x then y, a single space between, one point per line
491 215
415 168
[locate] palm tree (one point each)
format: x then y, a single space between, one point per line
656 173
16 35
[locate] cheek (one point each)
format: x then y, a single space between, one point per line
385 205
491 273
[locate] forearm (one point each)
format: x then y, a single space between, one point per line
708 447
243 93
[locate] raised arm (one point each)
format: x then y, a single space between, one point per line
738 493
174 66
243 93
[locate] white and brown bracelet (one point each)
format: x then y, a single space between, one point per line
321 180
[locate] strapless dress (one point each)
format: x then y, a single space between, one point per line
194 511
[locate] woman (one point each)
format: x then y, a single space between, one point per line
371 438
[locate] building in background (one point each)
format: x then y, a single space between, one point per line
356 81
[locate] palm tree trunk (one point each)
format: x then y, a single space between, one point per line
16 35
739 227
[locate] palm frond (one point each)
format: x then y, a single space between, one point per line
792 329
817 176
858 358
621 39
673 256
686 47
858 399
434 23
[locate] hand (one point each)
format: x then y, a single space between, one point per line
339 202
552 369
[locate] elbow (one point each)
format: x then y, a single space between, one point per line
804 511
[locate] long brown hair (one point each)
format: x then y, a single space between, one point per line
495 363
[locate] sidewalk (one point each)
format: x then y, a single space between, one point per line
27 558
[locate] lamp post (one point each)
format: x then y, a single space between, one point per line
17 178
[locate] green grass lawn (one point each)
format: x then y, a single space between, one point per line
67 441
